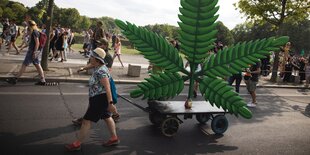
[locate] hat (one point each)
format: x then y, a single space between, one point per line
99 54
103 41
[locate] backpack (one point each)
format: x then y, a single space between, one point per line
42 40
113 90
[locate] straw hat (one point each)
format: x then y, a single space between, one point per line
99 54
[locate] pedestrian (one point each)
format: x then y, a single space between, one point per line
32 55
302 74
103 44
288 68
251 80
59 44
66 45
97 34
113 40
100 102
238 79
307 70
25 37
14 33
86 43
71 40
117 50
5 31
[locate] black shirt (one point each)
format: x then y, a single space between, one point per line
253 68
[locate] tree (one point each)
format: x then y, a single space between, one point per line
197 34
36 14
20 11
84 23
275 12
69 18
49 19
299 35
224 35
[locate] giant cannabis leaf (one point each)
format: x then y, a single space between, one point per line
197 34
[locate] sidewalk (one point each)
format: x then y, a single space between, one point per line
67 71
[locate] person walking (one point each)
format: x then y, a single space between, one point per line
54 36
238 79
71 40
97 34
117 50
251 80
100 102
59 44
32 55
103 44
307 71
14 33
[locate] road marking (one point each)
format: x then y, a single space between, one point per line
128 94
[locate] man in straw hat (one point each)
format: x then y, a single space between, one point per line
32 55
100 102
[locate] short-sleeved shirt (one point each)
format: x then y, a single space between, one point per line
95 87
254 67
32 44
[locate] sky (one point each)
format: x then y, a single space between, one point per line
142 12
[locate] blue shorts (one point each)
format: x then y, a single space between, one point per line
28 59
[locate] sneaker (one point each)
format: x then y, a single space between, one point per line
111 142
12 81
40 83
77 121
250 104
72 147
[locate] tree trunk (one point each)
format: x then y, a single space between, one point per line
276 60
275 67
45 53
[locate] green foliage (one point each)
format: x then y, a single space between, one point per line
163 85
224 35
299 33
84 23
198 29
274 11
232 60
165 30
218 92
197 34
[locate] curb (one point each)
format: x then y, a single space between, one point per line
85 80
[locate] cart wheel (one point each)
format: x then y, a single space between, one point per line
202 118
156 118
170 126
219 124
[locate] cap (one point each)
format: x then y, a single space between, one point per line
99 54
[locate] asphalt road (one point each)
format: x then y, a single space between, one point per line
37 120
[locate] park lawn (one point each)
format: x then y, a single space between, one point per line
125 50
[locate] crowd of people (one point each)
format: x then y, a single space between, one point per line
94 37
101 104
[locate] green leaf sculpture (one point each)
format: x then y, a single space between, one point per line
197 35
